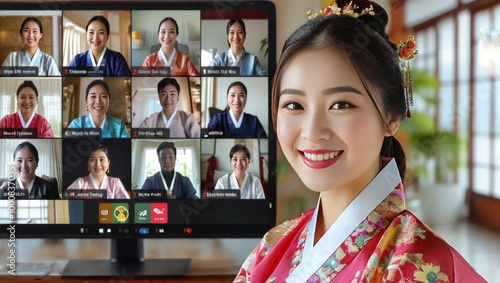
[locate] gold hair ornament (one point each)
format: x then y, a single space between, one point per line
348 9
406 53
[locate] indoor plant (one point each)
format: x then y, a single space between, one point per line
433 156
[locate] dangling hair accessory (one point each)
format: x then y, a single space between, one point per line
406 53
349 10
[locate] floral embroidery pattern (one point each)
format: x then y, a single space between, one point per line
430 274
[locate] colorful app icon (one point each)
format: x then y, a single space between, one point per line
120 213
159 213
142 213
105 213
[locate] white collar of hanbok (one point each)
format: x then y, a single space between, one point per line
27 124
314 256
234 60
233 179
168 121
103 183
168 62
102 124
237 123
30 186
98 64
26 54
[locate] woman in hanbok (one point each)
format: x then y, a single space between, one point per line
98 168
99 56
248 185
181 124
98 98
233 122
26 118
179 62
25 164
236 56
337 103
31 56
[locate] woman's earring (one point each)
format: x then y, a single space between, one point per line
107 171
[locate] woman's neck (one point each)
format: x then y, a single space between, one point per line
98 120
98 180
236 51
167 51
31 50
335 201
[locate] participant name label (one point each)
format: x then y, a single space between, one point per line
18 133
221 194
85 194
19 71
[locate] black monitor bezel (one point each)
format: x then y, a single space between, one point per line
177 230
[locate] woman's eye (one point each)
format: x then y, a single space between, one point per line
341 105
293 106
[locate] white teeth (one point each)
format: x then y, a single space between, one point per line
321 157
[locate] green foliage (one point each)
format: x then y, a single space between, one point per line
433 154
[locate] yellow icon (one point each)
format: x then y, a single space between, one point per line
121 213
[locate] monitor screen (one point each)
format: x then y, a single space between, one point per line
137 120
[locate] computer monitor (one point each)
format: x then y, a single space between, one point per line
136 119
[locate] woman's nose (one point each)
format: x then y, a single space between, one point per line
315 127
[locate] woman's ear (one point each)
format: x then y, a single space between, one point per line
392 127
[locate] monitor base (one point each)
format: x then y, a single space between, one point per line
105 269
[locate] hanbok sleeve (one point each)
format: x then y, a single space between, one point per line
77 184
124 132
257 68
259 191
192 71
119 190
216 61
260 132
220 183
147 62
121 67
76 123
53 68
9 60
214 124
45 129
192 127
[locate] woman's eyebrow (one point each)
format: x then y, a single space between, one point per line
332 90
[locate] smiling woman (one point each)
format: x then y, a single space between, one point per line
335 123
26 118
99 55
97 99
31 32
98 165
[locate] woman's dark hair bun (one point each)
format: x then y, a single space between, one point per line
377 22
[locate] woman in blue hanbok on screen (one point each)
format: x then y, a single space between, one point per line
31 56
236 56
233 122
97 98
99 55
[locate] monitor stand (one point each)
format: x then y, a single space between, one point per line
127 262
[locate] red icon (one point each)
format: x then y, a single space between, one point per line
159 213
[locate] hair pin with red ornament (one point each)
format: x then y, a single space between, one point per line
406 52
